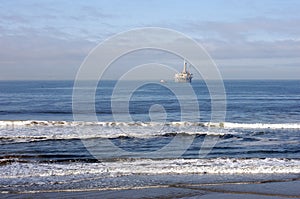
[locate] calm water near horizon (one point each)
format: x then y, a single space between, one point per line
248 101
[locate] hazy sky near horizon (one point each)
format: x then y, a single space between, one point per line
49 39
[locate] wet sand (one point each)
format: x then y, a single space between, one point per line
249 190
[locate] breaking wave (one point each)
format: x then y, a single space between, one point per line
225 125
154 167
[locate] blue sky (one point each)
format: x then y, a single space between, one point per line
257 39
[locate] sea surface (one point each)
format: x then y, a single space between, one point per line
149 135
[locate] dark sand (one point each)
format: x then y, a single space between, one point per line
289 189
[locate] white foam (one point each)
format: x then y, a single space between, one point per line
20 131
228 125
154 167
23 131
262 125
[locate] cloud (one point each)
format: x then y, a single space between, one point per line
51 37
33 47
258 28
41 57
92 11
249 38
254 49
79 21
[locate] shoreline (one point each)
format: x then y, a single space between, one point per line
246 190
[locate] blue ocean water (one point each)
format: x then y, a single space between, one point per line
255 101
38 134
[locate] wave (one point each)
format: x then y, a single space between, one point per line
224 125
262 125
26 136
153 167
27 131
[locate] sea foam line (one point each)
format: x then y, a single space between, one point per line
226 125
262 125
154 167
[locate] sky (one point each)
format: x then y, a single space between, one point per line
48 40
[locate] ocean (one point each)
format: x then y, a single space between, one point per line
144 137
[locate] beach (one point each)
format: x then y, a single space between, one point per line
247 190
